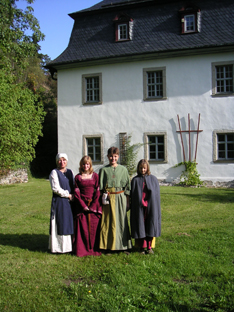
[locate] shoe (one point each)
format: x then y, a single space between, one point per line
150 251
142 252
126 252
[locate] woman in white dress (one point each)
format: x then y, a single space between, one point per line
61 217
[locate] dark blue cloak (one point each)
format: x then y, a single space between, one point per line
152 226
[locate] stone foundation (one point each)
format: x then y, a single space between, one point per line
16 176
229 184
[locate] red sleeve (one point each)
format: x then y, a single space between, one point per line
95 205
77 192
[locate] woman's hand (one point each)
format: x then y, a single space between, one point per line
71 197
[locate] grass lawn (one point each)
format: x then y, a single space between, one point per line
192 268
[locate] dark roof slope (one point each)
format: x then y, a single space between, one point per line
156 28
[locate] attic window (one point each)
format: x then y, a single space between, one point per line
123 27
190 19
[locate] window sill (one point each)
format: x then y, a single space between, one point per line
122 40
157 161
99 162
155 99
92 103
222 95
190 32
223 161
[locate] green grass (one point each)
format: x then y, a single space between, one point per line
192 268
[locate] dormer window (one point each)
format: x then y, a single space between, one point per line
123 27
123 32
189 23
190 19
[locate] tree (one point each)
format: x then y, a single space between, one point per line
21 111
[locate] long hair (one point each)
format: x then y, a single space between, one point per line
83 161
143 162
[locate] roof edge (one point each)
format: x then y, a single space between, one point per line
141 56
122 4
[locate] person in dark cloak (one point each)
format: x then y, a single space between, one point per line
145 217
61 217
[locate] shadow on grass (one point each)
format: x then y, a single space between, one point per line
218 196
32 242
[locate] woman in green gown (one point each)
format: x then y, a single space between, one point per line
115 185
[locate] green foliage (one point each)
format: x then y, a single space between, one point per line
21 116
191 269
190 175
19 37
21 110
130 157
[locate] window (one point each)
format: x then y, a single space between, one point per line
156 147
223 146
122 32
123 27
92 89
190 19
154 83
189 23
93 146
222 78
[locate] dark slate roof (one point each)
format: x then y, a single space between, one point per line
156 29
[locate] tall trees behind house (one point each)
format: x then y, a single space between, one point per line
27 93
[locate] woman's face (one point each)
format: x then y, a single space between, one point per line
86 166
143 169
113 159
62 163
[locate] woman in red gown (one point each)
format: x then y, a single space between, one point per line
88 211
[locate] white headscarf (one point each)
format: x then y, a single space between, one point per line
60 155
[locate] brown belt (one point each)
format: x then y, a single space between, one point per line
116 192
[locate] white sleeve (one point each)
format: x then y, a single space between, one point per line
55 186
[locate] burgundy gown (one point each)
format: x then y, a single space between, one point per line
87 223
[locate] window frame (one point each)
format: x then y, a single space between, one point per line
190 11
145 83
146 147
119 31
85 146
121 20
216 159
214 66
84 89
185 23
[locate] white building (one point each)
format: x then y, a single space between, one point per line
137 67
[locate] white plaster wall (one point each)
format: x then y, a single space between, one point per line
188 85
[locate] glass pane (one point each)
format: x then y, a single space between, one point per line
160 139
152 139
230 147
221 137
96 141
90 151
161 148
98 157
89 141
230 137
221 154
152 156
230 154
161 155
221 147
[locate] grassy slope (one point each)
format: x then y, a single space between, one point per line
192 268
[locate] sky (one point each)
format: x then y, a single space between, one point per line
55 23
